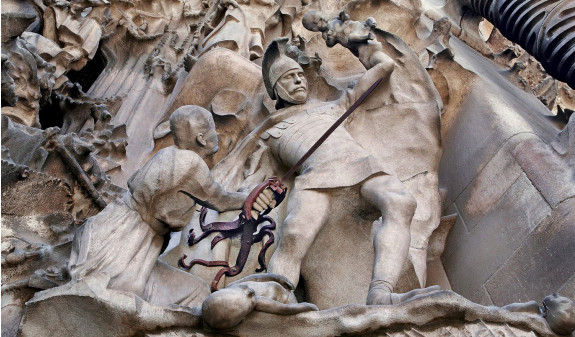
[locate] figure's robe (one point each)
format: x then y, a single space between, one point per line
401 125
125 239
400 122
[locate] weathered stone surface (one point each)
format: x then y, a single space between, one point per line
542 166
87 91
488 186
539 265
122 314
495 237
428 314
568 289
505 112
64 311
481 296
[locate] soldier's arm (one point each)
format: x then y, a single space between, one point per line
382 69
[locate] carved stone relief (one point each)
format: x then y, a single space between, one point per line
152 150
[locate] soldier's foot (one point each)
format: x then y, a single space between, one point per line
382 295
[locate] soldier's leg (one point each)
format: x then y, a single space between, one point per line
391 241
307 212
424 187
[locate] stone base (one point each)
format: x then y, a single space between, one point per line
86 308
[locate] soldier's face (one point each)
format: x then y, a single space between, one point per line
292 87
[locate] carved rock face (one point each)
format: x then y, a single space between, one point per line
8 86
25 78
505 192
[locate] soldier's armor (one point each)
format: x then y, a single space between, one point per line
340 155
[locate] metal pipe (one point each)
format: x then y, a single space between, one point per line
544 28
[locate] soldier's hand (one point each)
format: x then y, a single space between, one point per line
264 201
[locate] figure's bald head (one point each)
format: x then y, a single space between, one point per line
227 307
559 312
193 128
314 21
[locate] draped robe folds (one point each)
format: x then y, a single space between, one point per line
124 240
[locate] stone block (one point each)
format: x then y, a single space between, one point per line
568 289
542 264
493 113
488 187
552 176
481 296
499 233
467 147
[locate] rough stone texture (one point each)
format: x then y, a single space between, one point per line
538 266
489 244
62 312
108 74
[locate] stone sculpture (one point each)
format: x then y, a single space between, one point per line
23 81
327 169
270 293
340 156
125 239
355 36
558 311
239 26
88 88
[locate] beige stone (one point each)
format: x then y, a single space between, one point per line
457 171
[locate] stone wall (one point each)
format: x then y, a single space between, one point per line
511 191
